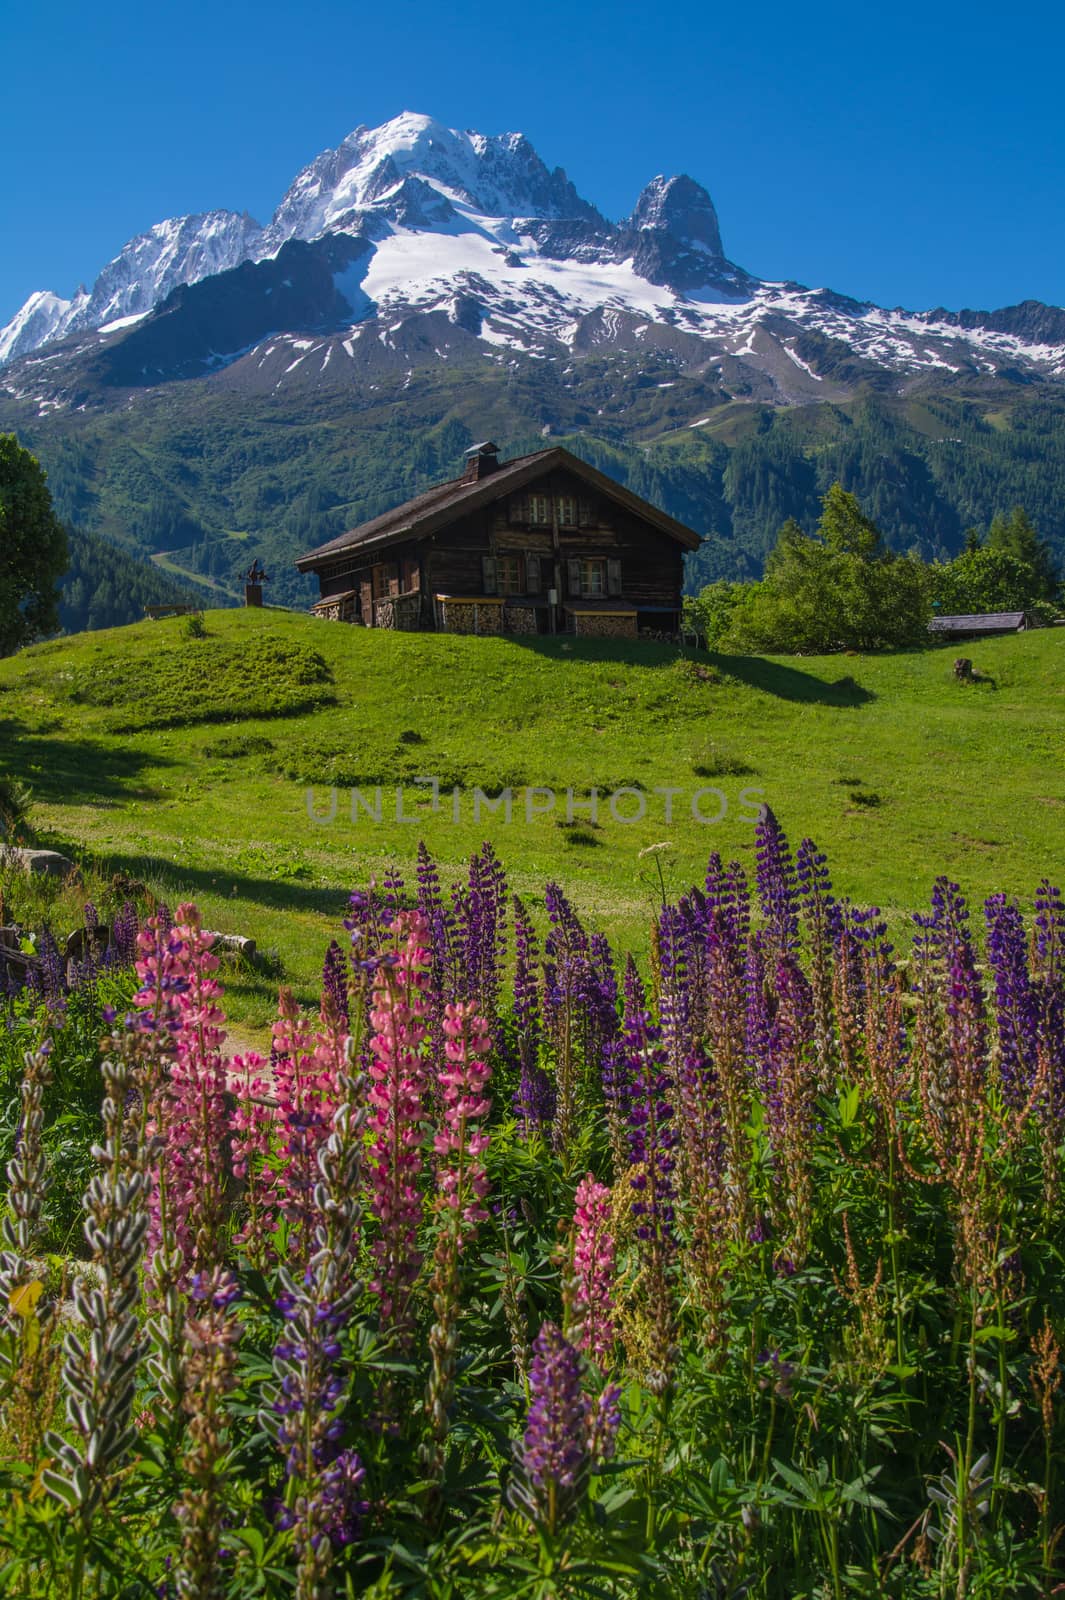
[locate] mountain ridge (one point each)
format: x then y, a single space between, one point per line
429 287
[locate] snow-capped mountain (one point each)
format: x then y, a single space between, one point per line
413 242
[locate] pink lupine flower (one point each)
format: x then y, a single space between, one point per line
592 1283
252 1124
305 1072
462 1184
460 1143
398 1082
189 1115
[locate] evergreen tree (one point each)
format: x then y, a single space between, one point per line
845 528
1016 536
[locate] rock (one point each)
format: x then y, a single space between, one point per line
236 942
49 862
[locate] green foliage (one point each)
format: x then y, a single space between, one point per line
844 527
838 590
710 612
988 578
193 626
33 549
1015 536
222 679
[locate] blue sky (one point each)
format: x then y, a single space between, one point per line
909 154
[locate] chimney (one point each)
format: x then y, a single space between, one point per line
480 459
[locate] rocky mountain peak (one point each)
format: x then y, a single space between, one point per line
681 207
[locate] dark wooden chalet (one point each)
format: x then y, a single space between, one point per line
540 544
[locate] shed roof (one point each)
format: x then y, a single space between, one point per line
980 622
426 513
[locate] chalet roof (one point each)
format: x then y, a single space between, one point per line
426 513
980 622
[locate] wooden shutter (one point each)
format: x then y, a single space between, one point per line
516 508
613 576
573 579
488 574
532 574
585 513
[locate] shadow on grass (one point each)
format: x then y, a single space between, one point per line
69 771
278 894
789 683
770 675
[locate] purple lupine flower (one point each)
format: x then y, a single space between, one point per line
652 1130
564 1433
483 931
341 1507
50 977
1049 953
777 888
124 930
535 1098
817 903
335 979
579 1007
676 964
1016 997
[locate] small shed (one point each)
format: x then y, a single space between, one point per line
980 624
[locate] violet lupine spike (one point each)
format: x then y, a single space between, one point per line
1049 942
652 1129
335 978
818 906
534 1098
124 930
1016 998
562 1430
791 1127
674 987
777 888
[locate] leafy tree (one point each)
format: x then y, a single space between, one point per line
33 549
839 589
1015 536
988 578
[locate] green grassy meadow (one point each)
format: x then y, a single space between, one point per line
188 762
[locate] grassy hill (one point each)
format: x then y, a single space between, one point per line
156 754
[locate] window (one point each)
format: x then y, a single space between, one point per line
509 574
593 579
567 511
540 509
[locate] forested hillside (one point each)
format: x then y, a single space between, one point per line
105 586
212 480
